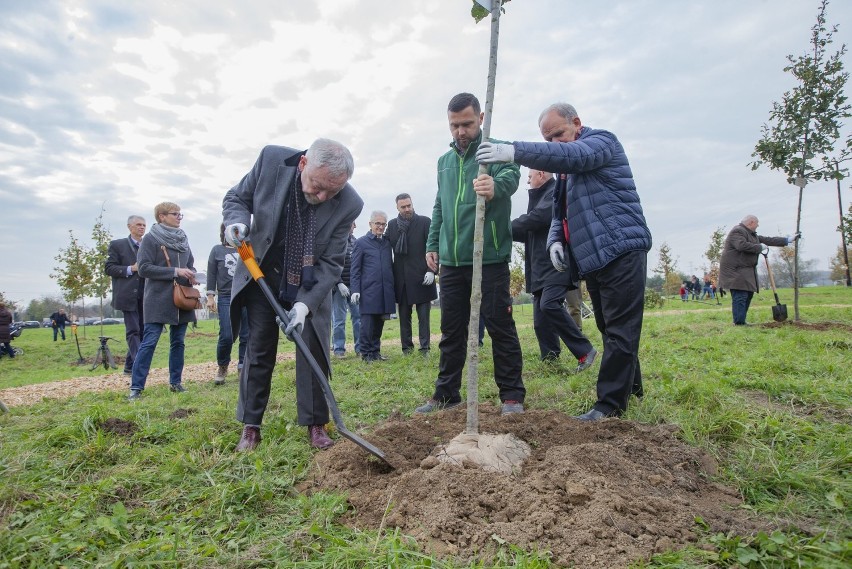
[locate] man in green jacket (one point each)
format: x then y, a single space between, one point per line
450 246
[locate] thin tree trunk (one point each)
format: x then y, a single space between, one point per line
842 229
472 426
796 259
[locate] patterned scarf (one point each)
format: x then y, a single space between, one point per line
401 247
298 263
172 237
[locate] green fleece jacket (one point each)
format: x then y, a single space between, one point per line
454 213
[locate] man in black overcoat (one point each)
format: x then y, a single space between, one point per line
128 287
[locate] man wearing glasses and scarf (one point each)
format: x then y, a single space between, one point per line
300 207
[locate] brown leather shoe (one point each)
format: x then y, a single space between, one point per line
249 440
319 438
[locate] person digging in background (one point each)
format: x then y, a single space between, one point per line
300 208
221 265
738 265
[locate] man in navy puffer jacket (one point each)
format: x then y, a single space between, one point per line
598 233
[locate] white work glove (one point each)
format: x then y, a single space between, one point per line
765 250
236 233
343 290
429 278
297 317
492 153
557 257
796 237
356 296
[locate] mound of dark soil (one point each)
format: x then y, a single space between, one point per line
119 427
181 413
592 494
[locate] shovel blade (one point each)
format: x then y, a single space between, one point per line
779 312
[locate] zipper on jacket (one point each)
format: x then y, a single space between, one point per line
459 191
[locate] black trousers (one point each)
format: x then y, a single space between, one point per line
618 296
552 323
497 312
133 324
256 375
370 339
424 309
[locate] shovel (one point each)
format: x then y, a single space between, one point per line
779 311
247 255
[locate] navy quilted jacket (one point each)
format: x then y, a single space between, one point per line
605 218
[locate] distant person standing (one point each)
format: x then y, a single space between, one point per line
6 331
372 285
58 320
341 303
548 286
738 265
221 265
164 257
414 282
128 288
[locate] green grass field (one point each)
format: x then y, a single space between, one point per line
772 403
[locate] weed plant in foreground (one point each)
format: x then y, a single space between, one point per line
93 481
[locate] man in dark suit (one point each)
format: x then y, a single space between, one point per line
300 208
414 283
549 287
128 287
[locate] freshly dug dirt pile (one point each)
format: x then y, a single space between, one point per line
592 494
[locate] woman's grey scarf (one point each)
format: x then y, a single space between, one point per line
402 243
172 237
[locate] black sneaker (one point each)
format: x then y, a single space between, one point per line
177 388
433 405
135 395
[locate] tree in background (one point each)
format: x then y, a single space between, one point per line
516 270
73 274
845 229
805 125
667 268
782 261
839 265
96 259
714 252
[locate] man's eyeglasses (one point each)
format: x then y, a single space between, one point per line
378 223
177 214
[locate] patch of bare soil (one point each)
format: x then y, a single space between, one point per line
814 326
598 494
797 407
119 427
181 413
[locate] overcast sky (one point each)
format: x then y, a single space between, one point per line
127 104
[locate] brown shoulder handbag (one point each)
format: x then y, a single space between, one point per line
185 297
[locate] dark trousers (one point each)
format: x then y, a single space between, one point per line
132 333
424 309
225 345
497 311
256 375
552 323
618 297
57 329
740 301
372 326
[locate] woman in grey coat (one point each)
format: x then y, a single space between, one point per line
165 238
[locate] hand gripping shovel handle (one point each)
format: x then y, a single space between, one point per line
247 255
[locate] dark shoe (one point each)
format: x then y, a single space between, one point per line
510 407
407 351
249 439
319 438
593 415
128 372
177 388
135 395
339 354
586 361
433 405
424 352
382 358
